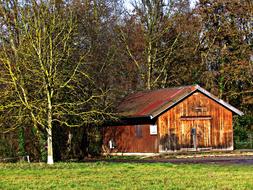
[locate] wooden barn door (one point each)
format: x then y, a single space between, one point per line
186 134
203 133
195 133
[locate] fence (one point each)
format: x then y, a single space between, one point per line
16 159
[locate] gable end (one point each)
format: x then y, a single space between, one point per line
202 91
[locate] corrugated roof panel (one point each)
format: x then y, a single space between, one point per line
147 102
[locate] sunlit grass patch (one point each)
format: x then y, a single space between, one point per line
102 175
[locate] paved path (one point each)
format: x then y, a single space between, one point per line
248 160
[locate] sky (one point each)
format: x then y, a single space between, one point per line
128 3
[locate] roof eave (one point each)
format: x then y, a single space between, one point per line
173 104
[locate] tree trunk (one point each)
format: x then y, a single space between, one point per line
50 159
149 60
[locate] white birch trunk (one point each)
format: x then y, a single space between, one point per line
50 159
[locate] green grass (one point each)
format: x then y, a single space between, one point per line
103 175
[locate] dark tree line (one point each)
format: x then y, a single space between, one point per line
65 65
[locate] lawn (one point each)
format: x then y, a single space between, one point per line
103 175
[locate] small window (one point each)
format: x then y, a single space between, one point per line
153 129
138 131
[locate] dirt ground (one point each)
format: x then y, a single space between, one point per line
214 160
246 160
232 157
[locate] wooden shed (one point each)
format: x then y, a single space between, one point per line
173 119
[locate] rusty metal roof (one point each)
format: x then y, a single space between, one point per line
153 103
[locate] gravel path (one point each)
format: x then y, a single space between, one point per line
248 160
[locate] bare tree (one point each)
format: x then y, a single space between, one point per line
159 37
43 69
226 40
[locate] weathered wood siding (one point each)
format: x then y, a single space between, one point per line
127 139
213 124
